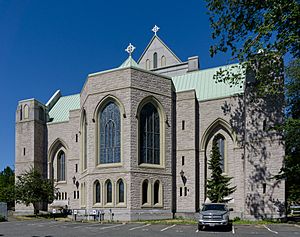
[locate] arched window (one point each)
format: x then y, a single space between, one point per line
149 135
145 192
41 114
26 111
163 61
220 141
121 191
155 60
108 191
61 166
156 192
147 64
97 192
110 126
21 112
84 142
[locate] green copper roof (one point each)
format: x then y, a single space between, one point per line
129 62
204 84
60 111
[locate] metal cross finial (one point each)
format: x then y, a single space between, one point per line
130 48
155 29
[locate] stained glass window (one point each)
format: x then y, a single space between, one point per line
61 168
110 126
155 60
108 191
149 135
121 191
97 192
221 145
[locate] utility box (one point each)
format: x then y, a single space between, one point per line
3 210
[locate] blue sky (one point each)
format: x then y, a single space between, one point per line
49 45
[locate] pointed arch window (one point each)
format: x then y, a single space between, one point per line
145 192
97 188
163 61
121 191
155 60
220 141
110 127
156 192
61 168
149 135
26 111
108 190
147 64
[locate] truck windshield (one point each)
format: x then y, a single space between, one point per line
214 207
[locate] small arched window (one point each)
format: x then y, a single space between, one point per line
61 166
21 112
108 191
156 192
110 131
147 64
97 188
149 135
163 61
155 60
41 114
121 191
220 142
26 111
145 192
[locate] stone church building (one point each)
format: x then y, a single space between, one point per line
135 142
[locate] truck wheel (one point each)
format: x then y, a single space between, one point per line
200 227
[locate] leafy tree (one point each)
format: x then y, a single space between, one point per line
7 187
218 186
291 127
257 34
32 188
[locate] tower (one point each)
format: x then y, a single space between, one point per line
31 141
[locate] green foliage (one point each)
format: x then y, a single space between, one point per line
291 128
32 188
258 34
218 186
7 187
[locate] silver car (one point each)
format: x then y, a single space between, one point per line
214 214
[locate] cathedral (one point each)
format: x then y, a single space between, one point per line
135 142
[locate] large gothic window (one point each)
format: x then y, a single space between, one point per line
149 135
220 141
61 168
110 126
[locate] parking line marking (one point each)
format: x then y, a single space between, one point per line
168 227
138 227
297 225
275 232
112 226
233 231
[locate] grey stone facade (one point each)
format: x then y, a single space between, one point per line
188 125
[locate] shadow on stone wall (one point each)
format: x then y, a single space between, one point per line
254 124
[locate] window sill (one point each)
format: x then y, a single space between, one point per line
110 204
146 205
61 182
109 165
151 166
97 204
158 205
121 205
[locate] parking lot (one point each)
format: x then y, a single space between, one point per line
51 228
